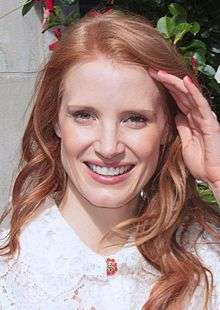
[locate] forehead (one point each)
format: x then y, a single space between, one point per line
103 81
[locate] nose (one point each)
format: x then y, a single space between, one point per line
108 145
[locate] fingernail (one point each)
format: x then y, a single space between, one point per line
163 71
189 79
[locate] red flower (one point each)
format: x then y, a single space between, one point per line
111 266
57 33
193 61
53 45
49 4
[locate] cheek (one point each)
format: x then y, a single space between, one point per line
74 140
146 146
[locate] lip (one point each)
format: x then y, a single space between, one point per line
108 180
108 165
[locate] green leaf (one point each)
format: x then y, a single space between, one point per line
177 10
215 49
206 194
195 44
71 17
57 11
166 26
27 6
181 30
54 19
200 57
178 19
188 57
69 2
51 25
207 70
195 27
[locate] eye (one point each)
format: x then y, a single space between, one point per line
136 120
82 116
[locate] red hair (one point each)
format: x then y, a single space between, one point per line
172 207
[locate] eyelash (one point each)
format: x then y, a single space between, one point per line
79 114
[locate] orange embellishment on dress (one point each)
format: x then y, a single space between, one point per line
111 266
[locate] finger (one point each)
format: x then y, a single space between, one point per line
163 76
203 118
182 100
174 84
172 80
178 86
184 129
194 101
194 124
199 100
153 73
205 126
183 107
214 116
179 103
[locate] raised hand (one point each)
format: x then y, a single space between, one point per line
198 128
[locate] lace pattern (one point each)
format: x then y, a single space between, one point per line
55 270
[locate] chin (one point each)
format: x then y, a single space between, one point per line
107 201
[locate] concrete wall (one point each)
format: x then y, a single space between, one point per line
23 48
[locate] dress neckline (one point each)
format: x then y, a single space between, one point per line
86 248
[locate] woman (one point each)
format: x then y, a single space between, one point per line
105 212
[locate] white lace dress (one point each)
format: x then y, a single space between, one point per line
57 271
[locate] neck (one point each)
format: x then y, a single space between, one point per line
92 222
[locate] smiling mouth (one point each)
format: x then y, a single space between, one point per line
109 172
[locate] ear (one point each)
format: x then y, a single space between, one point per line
57 130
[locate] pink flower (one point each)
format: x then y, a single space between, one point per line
53 45
46 15
111 266
49 4
193 61
57 33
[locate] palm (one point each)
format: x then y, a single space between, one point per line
201 154
198 127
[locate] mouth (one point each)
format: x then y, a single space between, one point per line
109 172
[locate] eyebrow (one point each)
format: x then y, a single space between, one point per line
73 108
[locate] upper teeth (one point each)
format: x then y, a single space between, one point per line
109 171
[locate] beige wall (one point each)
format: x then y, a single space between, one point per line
22 49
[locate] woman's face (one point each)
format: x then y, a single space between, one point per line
111 116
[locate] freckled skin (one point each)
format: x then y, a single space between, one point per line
110 88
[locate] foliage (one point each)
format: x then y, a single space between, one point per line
206 194
194 27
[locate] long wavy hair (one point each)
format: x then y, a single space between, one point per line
172 205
